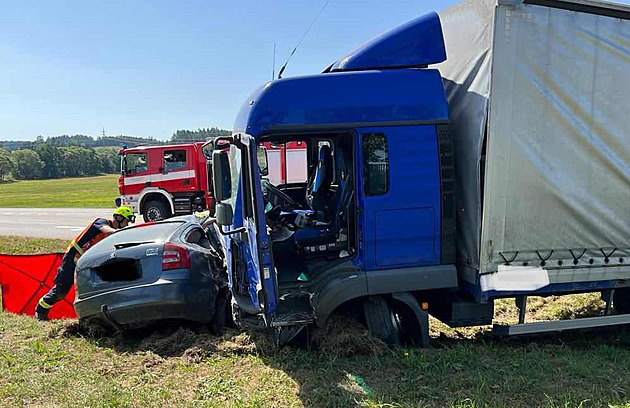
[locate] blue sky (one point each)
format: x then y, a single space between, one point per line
148 68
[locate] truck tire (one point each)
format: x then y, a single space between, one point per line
621 301
381 320
155 210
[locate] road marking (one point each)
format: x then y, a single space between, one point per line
71 228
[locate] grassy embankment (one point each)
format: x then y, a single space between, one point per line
50 364
96 192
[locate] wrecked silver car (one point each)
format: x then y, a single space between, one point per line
172 269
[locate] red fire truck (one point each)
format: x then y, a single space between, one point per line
161 181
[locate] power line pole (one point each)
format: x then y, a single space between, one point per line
273 69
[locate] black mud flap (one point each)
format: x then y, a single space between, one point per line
284 334
294 310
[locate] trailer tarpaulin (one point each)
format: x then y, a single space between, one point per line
545 87
468 29
26 278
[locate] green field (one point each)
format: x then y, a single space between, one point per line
97 192
54 364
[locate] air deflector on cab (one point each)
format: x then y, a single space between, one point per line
416 44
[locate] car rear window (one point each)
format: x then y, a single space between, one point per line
142 233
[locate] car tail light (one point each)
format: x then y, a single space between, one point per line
175 257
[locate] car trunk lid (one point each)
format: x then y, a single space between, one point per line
121 267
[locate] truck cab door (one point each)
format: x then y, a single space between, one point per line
177 171
400 195
251 273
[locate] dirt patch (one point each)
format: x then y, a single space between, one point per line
192 345
246 343
152 360
344 337
74 329
174 344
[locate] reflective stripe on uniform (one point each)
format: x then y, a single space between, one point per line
77 247
44 304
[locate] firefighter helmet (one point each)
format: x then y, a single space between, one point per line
125 212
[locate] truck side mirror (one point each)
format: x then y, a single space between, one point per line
263 164
221 178
207 149
224 214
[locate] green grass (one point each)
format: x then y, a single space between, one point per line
21 245
49 364
97 192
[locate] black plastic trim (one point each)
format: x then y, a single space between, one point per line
337 291
411 279
600 9
352 125
447 188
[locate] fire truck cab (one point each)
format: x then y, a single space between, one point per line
161 181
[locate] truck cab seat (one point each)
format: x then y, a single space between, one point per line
318 192
328 232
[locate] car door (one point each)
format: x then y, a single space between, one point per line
202 257
251 272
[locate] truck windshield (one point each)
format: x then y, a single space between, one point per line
134 163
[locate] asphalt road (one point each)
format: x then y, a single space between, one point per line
63 223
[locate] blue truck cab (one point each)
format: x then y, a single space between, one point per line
373 222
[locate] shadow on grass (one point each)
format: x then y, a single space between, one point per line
584 368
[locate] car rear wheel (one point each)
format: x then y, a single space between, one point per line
155 210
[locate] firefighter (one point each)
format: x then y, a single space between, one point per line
96 231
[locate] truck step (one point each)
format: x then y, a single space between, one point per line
293 310
543 327
182 206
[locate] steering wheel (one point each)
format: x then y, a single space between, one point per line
276 197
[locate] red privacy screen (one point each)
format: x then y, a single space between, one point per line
26 278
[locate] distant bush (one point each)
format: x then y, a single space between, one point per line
50 162
6 165
27 165
199 135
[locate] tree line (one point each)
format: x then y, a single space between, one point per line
80 141
79 155
180 136
199 135
50 162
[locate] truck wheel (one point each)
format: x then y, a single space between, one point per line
621 300
155 210
381 320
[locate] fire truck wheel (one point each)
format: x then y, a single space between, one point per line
155 210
